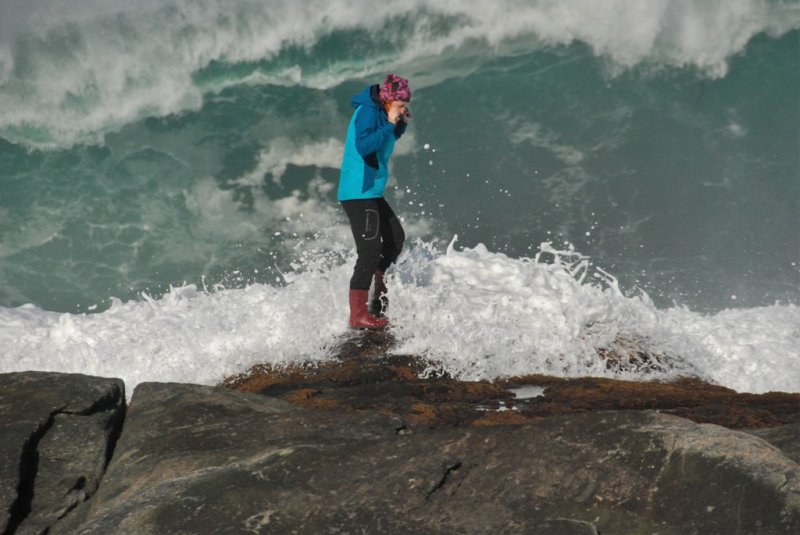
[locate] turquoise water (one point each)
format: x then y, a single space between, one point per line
193 141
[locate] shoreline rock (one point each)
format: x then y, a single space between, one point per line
203 459
57 434
369 442
362 374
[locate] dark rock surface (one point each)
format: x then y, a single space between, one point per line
57 433
373 442
209 460
784 437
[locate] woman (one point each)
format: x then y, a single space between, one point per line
380 118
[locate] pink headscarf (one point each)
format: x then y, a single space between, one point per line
395 88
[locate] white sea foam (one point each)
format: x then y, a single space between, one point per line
70 72
475 313
186 336
282 152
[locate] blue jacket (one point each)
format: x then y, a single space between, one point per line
367 148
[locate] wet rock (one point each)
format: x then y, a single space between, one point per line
690 398
57 433
205 460
363 374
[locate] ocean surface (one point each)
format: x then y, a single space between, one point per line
618 174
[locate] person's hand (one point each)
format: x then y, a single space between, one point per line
406 114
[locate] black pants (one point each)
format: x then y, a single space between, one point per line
379 238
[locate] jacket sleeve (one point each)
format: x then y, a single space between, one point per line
371 134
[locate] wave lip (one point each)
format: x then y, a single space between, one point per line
89 69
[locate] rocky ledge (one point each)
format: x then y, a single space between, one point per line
365 375
57 434
363 443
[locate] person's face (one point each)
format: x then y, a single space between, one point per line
398 106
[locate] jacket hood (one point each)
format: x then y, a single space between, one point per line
369 96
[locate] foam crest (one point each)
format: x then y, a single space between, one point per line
72 72
485 315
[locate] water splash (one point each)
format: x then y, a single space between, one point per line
473 313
